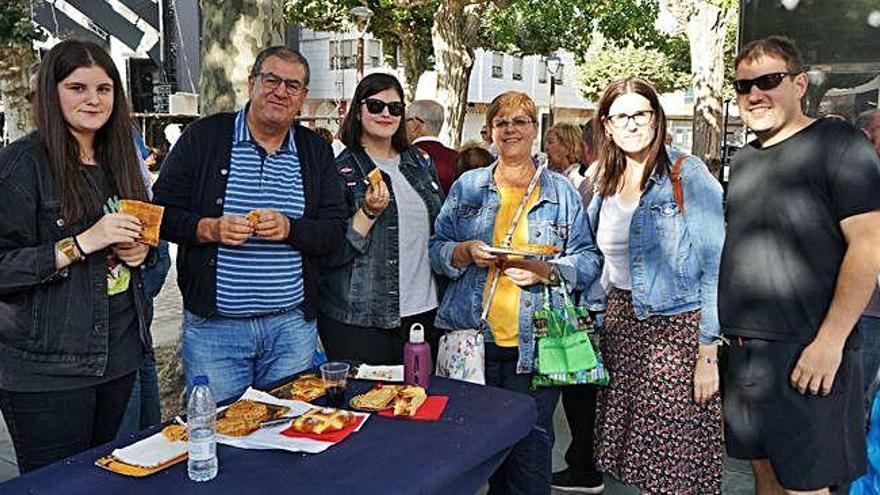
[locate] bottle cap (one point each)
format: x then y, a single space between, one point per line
200 380
417 333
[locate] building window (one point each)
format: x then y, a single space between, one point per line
542 72
517 68
373 53
498 65
343 54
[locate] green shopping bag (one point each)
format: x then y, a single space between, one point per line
563 347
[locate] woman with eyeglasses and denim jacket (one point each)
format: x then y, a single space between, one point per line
379 282
658 423
478 213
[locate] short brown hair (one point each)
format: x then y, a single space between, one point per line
510 101
772 46
569 135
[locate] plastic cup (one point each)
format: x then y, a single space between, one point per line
335 376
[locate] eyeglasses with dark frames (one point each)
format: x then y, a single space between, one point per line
621 120
272 81
764 83
375 106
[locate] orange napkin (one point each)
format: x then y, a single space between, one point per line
331 436
431 410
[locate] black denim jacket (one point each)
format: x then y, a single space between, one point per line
52 322
360 280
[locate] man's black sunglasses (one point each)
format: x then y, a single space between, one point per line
375 107
764 83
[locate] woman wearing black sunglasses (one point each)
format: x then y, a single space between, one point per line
379 283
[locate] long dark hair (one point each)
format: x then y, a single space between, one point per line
612 161
114 142
351 129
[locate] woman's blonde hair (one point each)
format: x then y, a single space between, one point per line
569 135
511 101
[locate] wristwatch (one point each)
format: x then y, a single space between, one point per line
371 216
67 247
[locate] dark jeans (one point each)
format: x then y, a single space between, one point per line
143 408
579 403
49 426
374 345
526 470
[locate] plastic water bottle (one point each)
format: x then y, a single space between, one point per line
201 411
417 366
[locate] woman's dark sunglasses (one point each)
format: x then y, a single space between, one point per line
764 83
375 107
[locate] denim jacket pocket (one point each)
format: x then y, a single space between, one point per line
549 232
667 219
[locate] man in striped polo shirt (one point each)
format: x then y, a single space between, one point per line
249 284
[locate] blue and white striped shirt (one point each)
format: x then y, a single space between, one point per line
260 277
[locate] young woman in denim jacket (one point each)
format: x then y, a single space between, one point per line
478 213
379 282
659 421
72 307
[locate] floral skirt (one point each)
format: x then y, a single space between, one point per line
649 431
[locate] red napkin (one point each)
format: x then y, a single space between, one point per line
431 410
332 436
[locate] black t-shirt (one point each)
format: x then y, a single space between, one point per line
125 350
784 244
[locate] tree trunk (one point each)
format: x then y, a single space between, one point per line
233 31
707 30
15 62
454 28
415 63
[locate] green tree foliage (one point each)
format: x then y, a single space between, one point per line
17 34
401 25
15 24
611 62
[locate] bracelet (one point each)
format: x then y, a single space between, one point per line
707 359
67 247
370 216
82 252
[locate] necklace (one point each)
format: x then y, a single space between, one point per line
87 158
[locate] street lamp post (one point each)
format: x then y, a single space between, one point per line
553 62
360 16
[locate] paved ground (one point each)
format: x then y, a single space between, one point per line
166 325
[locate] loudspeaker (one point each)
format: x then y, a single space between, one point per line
828 32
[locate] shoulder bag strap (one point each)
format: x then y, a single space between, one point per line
675 177
508 237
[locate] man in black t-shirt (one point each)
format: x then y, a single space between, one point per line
799 263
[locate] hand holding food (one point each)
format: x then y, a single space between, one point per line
377 197
150 216
271 225
131 253
112 228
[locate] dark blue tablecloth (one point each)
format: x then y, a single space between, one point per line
455 455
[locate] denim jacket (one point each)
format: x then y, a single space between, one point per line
52 322
674 259
557 218
360 281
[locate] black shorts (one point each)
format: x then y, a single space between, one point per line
811 441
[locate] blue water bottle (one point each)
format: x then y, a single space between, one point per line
201 412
